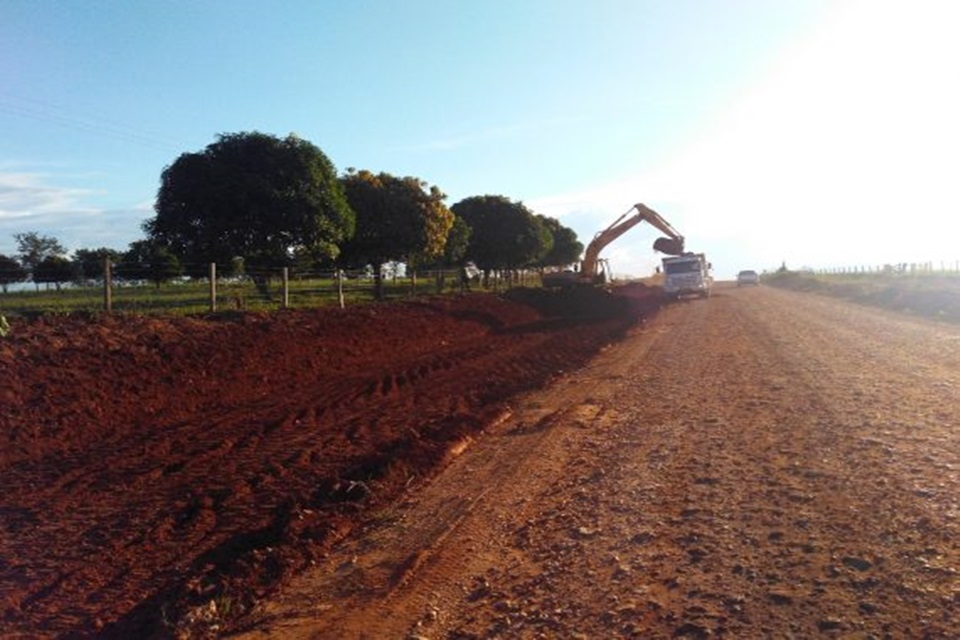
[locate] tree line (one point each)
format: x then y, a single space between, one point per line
254 203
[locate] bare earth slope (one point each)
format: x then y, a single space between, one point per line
759 464
159 475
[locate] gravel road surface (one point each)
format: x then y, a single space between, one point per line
758 464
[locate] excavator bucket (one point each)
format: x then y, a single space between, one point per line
668 246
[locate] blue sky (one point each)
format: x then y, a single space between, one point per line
816 132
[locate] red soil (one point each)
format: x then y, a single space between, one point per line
151 464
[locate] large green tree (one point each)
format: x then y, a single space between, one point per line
145 260
504 234
566 247
398 220
11 271
90 262
458 243
54 270
34 248
254 196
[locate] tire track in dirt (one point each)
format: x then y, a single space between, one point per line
757 465
759 514
122 525
400 566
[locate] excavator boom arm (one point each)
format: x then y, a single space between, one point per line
623 224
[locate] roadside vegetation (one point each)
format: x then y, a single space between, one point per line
255 206
933 294
191 297
185 296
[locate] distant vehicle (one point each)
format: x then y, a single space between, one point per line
748 276
687 274
472 271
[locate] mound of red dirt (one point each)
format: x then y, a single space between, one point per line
151 465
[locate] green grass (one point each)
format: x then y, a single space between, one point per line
933 295
194 297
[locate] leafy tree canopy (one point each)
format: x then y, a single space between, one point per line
458 242
398 219
54 269
566 247
11 271
254 196
504 234
34 248
455 250
90 262
145 260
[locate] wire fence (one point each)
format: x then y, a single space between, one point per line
253 290
918 269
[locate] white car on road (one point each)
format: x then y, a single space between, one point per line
748 276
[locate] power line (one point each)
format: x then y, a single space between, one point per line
45 112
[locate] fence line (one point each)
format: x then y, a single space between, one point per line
255 290
930 268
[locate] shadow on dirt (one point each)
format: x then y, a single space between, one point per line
237 449
567 308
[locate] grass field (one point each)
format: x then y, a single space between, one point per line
187 298
933 295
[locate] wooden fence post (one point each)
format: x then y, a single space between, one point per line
340 287
286 287
107 285
213 287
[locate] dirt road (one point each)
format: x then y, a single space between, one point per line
759 464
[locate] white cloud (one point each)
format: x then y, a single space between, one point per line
29 194
34 202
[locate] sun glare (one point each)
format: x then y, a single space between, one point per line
852 136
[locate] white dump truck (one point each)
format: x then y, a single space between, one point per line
687 274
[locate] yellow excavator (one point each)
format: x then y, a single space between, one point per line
593 270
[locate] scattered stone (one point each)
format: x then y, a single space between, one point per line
696 555
691 630
506 606
482 590
734 603
641 538
867 607
778 596
829 624
857 563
